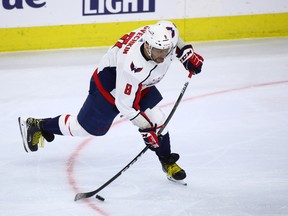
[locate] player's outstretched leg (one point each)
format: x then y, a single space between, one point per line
170 167
32 134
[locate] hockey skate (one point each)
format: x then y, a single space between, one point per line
32 135
173 171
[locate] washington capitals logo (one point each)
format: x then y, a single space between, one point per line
133 68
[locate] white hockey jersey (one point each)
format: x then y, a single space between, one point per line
134 72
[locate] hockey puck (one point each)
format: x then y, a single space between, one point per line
100 197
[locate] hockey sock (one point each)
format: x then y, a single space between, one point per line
69 125
51 126
165 148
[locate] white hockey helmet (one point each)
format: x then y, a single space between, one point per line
158 37
172 29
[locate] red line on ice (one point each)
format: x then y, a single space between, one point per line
82 145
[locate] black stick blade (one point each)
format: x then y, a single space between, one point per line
79 196
83 195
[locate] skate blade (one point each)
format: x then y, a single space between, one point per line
181 182
23 130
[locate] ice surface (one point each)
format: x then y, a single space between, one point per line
231 131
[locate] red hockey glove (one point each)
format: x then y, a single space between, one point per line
150 137
191 60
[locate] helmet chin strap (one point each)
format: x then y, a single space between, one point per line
149 51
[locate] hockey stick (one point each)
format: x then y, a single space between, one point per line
92 193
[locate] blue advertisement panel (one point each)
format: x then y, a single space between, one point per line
106 7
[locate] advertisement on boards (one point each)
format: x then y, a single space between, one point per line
24 13
28 13
103 7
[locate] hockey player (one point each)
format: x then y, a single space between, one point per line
124 82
